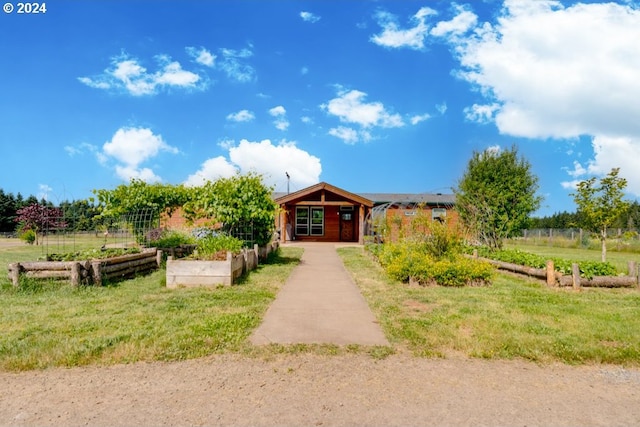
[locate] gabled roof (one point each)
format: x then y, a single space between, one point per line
281 198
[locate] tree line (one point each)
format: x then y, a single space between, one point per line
563 220
80 215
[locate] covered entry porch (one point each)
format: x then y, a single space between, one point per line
322 213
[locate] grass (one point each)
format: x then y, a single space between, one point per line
46 324
513 318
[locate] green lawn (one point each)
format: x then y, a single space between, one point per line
52 324
513 318
44 324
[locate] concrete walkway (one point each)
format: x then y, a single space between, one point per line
319 304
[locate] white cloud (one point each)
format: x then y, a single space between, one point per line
481 113
350 108
126 74
281 122
202 56
241 116
348 135
394 37
211 170
550 71
309 17
460 24
247 156
232 63
131 147
419 118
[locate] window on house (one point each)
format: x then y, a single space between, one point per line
309 221
317 221
302 221
438 214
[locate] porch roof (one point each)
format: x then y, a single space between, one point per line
283 198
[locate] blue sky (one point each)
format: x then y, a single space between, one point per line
370 96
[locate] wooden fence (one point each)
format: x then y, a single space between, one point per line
88 272
556 278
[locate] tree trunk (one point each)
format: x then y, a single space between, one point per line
603 239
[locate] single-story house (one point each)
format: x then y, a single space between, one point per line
326 213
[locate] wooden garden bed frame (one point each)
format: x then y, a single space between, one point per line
94 272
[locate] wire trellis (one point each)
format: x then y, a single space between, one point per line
61 235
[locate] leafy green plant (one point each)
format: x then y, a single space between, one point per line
92 254
588 269
216 246
170 239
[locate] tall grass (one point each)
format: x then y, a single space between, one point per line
47 323
513 318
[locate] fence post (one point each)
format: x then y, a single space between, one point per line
14 273
75 274
575 275
633 270
159 257
551 273
96 273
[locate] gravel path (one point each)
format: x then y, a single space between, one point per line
323 390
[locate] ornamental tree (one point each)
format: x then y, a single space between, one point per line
599 206
496 195
40 219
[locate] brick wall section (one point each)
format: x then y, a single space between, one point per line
177 221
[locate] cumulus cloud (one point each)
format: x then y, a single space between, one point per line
280 122
309 17
201 56
131 147
349 107
241 116
128 75
392 36
249 156
211 170
552 71
458 25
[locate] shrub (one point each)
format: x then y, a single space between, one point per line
28 236
412 260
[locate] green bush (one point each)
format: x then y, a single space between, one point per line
28 236
412 260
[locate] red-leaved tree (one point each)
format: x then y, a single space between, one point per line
40 219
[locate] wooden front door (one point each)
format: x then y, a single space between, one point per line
347 227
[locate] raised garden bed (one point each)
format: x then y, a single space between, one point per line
553 277
195 273
90 272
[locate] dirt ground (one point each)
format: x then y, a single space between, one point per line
323 391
